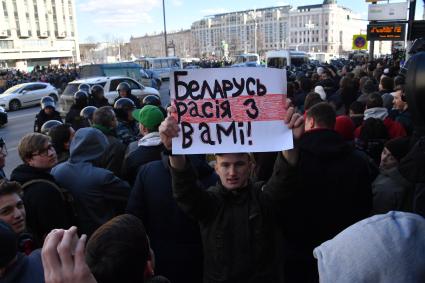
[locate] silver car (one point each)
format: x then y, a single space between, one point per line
27 94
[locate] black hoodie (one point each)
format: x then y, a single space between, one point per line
45 208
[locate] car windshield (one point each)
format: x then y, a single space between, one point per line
12 89
73 88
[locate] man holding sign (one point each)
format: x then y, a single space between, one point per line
238 218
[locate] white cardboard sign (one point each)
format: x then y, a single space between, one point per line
229 110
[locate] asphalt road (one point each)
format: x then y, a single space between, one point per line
21 122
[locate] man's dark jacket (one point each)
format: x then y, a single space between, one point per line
144 152
238 227
45 208
42 118
332 192
174 236
113 157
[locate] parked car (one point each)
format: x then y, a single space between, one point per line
109 84
3 116
27 94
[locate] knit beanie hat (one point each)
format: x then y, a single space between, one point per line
8 244
398 147
345 127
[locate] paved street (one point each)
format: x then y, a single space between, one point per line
21 122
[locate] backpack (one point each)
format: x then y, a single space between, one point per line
65 195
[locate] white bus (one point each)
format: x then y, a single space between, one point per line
283 58
244 59
163 66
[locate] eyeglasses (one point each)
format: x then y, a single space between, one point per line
45 152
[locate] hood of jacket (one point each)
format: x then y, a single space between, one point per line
377 112
88 144
324 143
24 173
383 248
151 139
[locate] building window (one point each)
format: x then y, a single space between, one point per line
6 44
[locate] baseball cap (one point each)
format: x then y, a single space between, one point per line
149 116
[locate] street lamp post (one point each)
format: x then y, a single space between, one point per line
254 17
309 26
165 29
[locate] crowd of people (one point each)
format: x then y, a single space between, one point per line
100 197
57 76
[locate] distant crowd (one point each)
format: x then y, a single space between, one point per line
59 77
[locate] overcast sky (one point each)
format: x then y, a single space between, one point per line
106 20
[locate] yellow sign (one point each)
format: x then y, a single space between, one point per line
359 42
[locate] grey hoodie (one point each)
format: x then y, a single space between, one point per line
377 112
88 144
386 248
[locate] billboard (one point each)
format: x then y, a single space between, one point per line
387 31
387 12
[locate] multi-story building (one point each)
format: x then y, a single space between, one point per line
325 27
179 44
39 32
244 31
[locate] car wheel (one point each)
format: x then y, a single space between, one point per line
54 96
14 105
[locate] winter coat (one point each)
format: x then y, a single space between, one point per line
127 132
27 269
42 118
238 227
45 206
391 192
174 236
113 157
99 195
149 149
74 119
332 192
98 102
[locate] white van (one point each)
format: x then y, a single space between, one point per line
283 58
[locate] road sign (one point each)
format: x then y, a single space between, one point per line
359 42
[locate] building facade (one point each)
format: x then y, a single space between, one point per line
179 44
38 32
252 31
325 27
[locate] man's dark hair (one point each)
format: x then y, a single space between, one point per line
59 135
399 80
387 83
357 107
374 100
306 85
9 187
323 114
311 99
104 116
119 250
368 87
